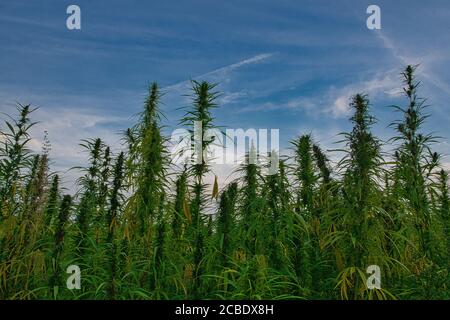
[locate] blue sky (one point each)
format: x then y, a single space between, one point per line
291 65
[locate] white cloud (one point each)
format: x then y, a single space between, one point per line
335 101
66 127
388 84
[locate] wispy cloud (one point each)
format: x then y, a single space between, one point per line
424 61
220 74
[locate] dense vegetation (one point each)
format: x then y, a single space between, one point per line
138 226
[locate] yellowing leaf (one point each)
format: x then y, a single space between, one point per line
113 224
187 213
126 232
215 192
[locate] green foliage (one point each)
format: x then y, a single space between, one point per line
307 231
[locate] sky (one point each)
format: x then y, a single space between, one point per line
287 65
